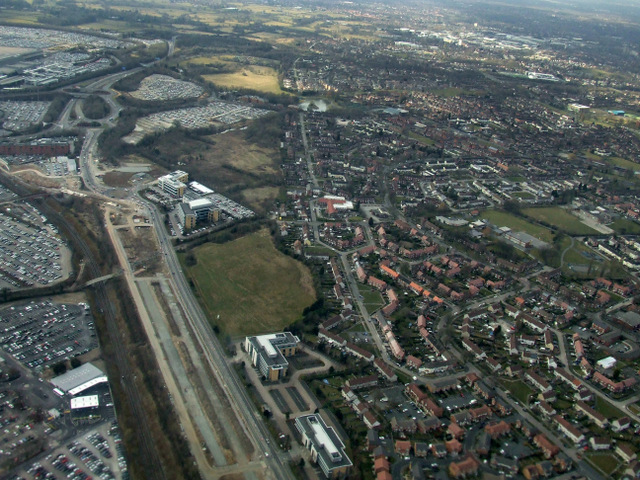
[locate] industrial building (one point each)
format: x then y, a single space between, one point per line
326 448
174 183
79 379
268 353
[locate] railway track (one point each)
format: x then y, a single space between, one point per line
148 455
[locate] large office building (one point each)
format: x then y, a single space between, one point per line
326 448
268 353
204 210
186 216
174 183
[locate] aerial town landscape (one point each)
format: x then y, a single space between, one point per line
262 240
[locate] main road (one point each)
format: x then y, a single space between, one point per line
213 350
237 395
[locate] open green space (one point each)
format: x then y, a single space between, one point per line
624 163
561 219
320 250
254 77
605 462
625 227
523 195
607 409
506 219
248 287
371 297
421 138
519 390
237 164
579 254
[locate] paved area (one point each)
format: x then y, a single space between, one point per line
167 332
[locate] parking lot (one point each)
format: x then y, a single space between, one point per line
395 404
16 116
94 454
32 252
224 204
194 117
164 87
35 38
39 335
6 194
59 166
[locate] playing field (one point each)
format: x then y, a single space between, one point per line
561 219
625 226
254 77
251 286
506 219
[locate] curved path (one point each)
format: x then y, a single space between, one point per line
565 251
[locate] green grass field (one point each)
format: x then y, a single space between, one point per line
634 408
519 390
523 195
421 138
505 219
605 462
579 254
607 409
561 219
262 79
371 297
252 287
625 226
624 163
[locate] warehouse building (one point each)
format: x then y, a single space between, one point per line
79 379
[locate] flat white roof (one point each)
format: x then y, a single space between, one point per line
607 362
87 385
265 342
76 377
90 401
201 202
323 439
198 187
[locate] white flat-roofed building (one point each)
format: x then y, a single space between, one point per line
88 401
200 189
607 363
77 377
268 353
326 448
88 385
